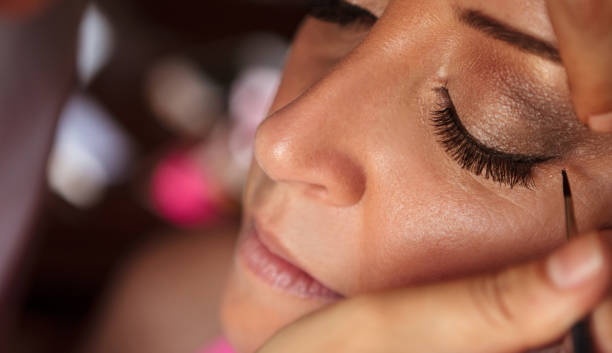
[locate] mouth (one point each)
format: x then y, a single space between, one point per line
276 270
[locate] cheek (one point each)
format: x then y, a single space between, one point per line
424 218
429 229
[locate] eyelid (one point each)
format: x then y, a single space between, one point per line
375 11
444 93
341 12
474 156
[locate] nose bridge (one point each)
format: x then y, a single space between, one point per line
325 139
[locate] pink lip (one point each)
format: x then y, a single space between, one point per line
278 272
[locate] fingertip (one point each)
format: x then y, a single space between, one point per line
577 264
602 326
601 123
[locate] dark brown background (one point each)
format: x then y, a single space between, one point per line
73 253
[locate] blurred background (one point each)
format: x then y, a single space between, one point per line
153 142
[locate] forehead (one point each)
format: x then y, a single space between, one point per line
529 16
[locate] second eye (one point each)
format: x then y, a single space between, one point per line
341 12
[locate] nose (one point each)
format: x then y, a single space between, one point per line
310 146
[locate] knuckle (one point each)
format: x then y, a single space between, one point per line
602 325
492 297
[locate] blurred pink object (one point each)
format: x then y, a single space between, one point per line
181 191
221 346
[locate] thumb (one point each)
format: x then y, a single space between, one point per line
517 309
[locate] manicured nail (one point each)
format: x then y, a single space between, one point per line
576 263
601 122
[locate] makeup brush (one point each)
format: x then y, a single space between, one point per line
580 331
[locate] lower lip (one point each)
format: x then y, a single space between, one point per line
279 273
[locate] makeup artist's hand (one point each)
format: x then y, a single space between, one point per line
584 32
512 311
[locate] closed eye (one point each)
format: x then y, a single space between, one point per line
341 12
502 167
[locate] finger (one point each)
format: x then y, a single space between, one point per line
601 321
602 326
515 310
584 33
518 309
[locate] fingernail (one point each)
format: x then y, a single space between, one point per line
601 122
576 263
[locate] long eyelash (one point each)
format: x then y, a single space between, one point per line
504 168
341 12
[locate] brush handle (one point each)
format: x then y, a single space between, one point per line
581 339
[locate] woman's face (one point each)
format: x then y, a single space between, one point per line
423 146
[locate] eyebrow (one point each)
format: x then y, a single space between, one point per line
509 34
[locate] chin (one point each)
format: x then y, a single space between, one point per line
252 311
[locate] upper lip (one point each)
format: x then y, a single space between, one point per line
271 241
274 245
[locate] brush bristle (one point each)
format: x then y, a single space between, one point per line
566 188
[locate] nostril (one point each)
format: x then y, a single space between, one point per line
332 178
316 191
333 195
350 186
